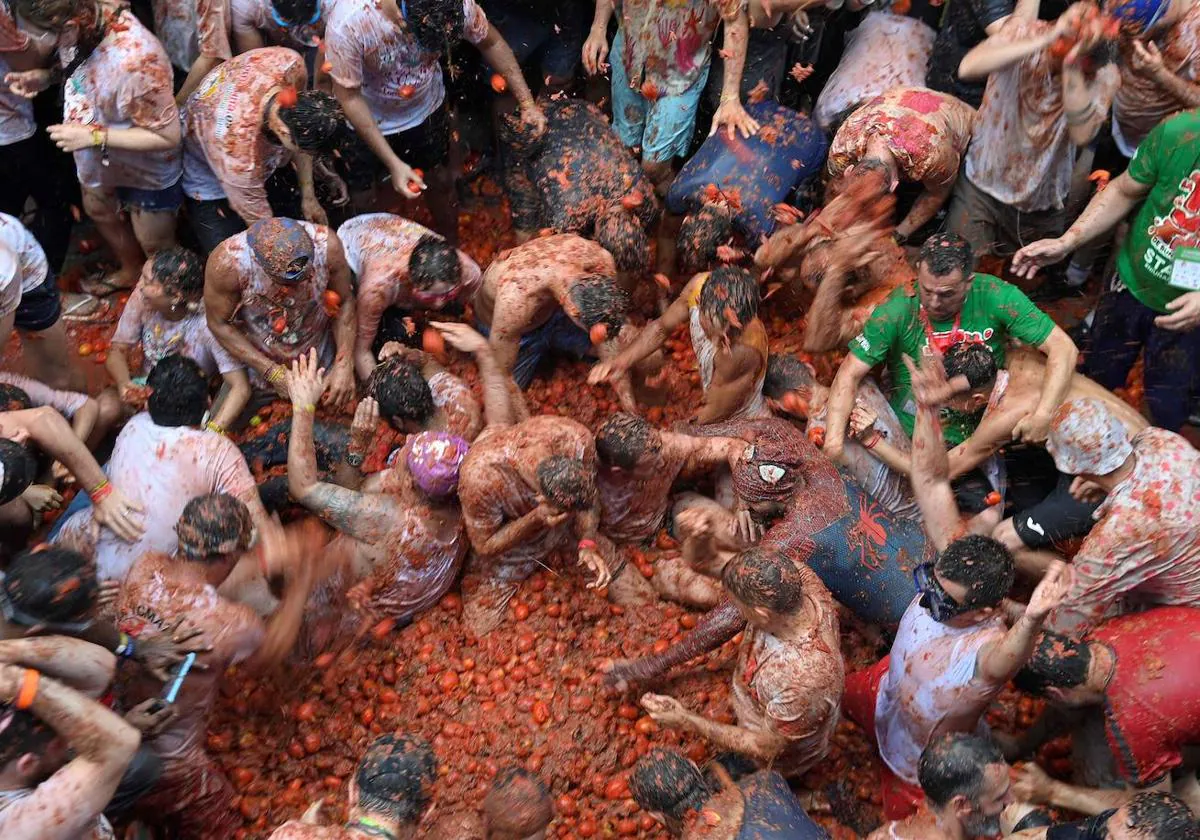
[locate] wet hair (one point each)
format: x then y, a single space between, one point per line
314 122
981 564
401 391
954 764
52 15
213 526
765 578
785 373
1057 661
295 12
1159 815
395 775
730 290
622 235
21 733
13 398
566 482
518 802
972 359
434 260
945 253
179 270
668 782
20 468
600 301
861 171
623 439
179 395
53 584
700 234
437 25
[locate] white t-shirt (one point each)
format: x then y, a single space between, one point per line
162 468
65 403
28 261
16 112
161 337
368 50
931 687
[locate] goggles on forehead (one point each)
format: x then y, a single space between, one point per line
278 19
934 597
296 268
14 615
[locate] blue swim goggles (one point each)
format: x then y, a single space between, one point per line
302 31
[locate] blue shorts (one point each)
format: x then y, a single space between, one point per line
40 308
662 129
559 334
152 201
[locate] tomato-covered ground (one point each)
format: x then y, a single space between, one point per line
531 693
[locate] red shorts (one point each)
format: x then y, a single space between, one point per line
900 799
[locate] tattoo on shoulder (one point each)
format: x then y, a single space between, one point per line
336 505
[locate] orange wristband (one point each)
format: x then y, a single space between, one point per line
29 689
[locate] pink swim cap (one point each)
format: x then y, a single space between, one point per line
1085 437
433 461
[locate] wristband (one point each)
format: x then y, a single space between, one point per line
354 459
125 647
310 408
97 137
29 689
878 436
214 427
588 545
100 492
275 373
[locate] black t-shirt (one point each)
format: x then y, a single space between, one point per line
964 26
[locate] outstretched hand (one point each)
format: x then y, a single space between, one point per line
306 381
461 336
930 386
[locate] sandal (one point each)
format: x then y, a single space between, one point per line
103 286
85 308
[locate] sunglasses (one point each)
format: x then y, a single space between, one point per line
941 604
13 615
296 269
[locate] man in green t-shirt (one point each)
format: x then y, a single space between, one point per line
1153 301
948 303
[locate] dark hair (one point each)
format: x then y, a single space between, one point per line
668 782
600 301
20 468
1162 816
13 398
518 802
623 438
982 565
401 391
181 270
434 260
1058 661
213 526
295 12
730 291
180 392
785 373
566 482
945 253
23 734
622 235
862 169
436 24
54 584
954 764
51 15
972 359
314 122
700 234
761 577
394 776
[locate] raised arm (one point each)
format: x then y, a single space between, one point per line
1000 661
999 50
498 396
83 666
930 464
65 806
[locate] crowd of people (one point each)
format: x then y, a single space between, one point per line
871 435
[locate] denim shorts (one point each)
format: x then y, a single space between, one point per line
166 200
40 308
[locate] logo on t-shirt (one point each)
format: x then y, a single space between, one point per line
1178 228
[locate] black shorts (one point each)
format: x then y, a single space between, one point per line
1059 516
39 308
424 147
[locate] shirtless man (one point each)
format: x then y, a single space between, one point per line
673 790
214 533
62 754
1006 396
553 293
389 794
788 681
270 295
966 785
730 342
529 492
399 266
401 541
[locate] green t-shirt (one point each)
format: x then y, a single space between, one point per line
1168 161
993 312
